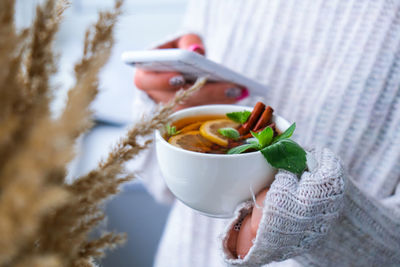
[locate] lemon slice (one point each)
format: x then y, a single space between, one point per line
209 130
192 127
192 141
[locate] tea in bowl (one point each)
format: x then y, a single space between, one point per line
207 179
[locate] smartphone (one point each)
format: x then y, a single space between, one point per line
192 65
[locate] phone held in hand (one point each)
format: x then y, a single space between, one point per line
192 65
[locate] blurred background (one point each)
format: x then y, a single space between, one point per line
144 22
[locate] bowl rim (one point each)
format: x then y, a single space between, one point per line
159 137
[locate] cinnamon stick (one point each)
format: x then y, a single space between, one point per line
254 117
272 125
264 119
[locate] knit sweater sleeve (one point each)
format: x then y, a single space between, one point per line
193 22
365 234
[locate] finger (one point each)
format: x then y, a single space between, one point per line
191 42
161 96
184 42
217 93
245 238
150 80
257 211
232 240
170 44
328 174
284 181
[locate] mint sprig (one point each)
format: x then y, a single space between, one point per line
242 148
280 151
229 133
240 116
286 154
264 137
286 134
260 140
171 130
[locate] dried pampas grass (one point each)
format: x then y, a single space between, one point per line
43 220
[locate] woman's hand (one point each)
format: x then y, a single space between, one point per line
297 213
240 242
162 86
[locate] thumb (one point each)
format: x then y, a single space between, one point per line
191 42
285 181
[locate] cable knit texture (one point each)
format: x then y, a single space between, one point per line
297 213
333 67
365 229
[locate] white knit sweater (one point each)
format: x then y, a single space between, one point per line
333 67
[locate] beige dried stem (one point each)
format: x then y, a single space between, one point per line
89 191
43 221
25 194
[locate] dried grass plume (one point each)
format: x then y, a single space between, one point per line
43 220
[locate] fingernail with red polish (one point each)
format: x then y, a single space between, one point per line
198 48
245 93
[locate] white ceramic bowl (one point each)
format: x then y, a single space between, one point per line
213 184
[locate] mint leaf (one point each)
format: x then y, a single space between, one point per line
229 132
242 148
252 141
240 117
286 134
286 154
171 130
264 137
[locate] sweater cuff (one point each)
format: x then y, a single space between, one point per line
254 257
241 211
